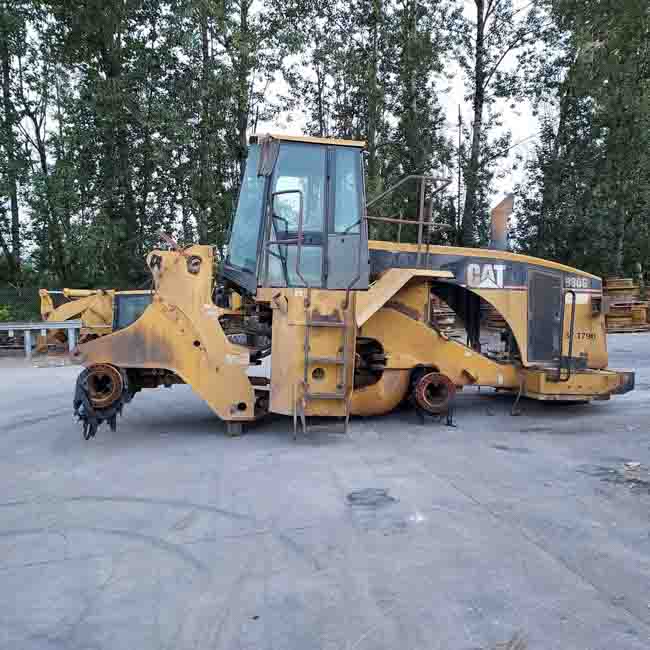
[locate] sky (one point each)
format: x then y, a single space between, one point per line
519 119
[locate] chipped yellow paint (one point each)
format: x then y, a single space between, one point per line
409 343
383 289
288 347
383 396
177 333
584 385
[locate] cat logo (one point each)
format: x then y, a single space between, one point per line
485 276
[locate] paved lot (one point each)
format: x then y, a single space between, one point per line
167 534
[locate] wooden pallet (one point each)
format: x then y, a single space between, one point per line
628 329
619 283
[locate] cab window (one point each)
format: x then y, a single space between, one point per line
300 167
347 190
246 226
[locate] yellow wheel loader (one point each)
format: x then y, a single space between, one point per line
99 310
309 319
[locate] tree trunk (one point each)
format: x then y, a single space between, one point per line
188 237
55 235
619 244
373 97
471 181
13 256
202 219
243 71
411 45
551 188
61 153
320 89
117 172
147 166
619 147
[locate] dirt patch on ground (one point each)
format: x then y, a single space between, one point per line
370 498
631 475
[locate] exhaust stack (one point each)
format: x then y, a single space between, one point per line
499 223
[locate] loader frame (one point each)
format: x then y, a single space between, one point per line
310 319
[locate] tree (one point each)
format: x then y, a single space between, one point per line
589 199
371 73
498 32
12 38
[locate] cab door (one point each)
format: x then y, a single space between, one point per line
347 239
298 203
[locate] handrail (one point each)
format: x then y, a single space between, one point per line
442 226
300 236
289 242
422 220
571 333
279 218
419 177
360 223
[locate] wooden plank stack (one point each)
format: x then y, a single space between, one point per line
627 311
441 314
491 317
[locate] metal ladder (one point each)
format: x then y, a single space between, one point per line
341 361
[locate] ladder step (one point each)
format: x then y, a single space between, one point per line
325 323
332 396
336 360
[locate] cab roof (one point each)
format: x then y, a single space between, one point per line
308 139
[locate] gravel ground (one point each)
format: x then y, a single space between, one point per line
167 534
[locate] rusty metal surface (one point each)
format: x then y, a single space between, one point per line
179 331
403 309
381 291
434 393
105 385
383 396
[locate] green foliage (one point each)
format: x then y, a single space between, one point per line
121 120
498 30
587 199
131 118
18 304
371 72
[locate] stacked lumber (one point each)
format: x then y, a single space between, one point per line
627 312
621 289
491 318
441 314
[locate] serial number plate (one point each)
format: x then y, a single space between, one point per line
584 336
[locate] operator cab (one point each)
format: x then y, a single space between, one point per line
299 219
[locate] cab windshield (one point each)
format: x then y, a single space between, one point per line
248 218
